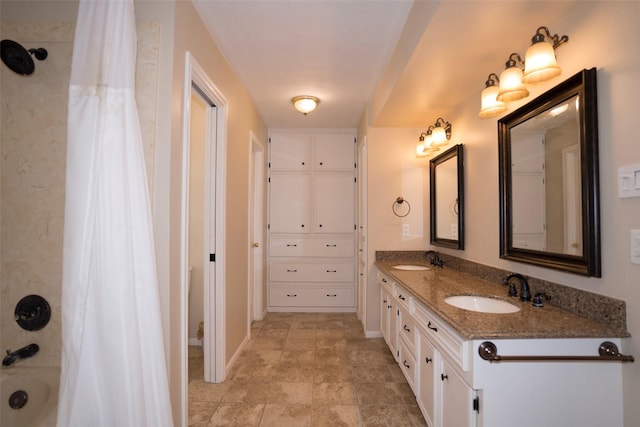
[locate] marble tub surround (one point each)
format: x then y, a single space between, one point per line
607 311
305 369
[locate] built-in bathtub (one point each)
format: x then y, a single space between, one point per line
41 386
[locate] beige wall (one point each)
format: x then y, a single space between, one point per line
614 52
191 35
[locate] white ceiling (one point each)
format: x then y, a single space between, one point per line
407 62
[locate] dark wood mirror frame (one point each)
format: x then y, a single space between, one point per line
584 86
457 153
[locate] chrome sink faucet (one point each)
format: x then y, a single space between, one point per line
525 293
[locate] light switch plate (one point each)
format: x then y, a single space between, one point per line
629 181
635 246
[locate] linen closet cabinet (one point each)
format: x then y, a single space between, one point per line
312 220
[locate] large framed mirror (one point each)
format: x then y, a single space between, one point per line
549 186
447 198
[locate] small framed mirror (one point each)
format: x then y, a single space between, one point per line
549 186
447 198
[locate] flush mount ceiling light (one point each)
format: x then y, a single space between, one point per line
305 103
490 106
511 86
540 60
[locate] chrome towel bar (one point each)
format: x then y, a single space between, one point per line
607 351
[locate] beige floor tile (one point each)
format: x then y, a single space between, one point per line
331 373
334 394
331 356
258 355
285 393
379 415
267 343
296 373
237 414
276 324
300 344
200 412
329 333
247 392
286 415
297 356
200 391
378 394
273 333
335 416
364 374
302 333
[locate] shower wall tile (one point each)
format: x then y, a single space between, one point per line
33 119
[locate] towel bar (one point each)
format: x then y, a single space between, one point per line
607 351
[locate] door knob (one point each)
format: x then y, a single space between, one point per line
256 244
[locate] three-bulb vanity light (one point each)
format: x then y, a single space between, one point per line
539 65
305 103
433 138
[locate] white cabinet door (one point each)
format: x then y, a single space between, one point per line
289 203
290 151
334 203
335 151
457 398
426 387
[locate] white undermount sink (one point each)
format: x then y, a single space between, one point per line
410 267
481 304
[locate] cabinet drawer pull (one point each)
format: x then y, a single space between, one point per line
401 297
332 295
332 271
388 306
291 246
331 246
302 163
320 225
384 280
384 301
444 377
292 271
427 360
292 295
406 328
433 328
406 364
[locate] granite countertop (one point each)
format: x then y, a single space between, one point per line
431 287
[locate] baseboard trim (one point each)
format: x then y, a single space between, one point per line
373 334
235 356
195 342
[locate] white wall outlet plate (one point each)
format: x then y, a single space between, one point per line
629 181
405 229
635 246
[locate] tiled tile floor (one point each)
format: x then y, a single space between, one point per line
305 369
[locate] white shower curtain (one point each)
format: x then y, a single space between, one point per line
113 363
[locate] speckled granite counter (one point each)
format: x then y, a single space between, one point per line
432 286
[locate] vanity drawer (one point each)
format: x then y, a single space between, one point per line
402 296
407 329
386 283
325 247
407 360
284 296
443 336
311 272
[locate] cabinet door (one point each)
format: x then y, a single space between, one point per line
457 399
334 151
289 202
334 202
385 311
290 151
426 387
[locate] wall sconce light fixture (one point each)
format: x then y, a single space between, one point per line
433 138
540 60
511 86
305 103
490 105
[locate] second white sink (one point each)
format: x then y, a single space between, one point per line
481 304
410 267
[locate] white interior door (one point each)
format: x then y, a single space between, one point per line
257 231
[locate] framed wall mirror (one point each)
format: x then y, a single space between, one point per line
447 198
549 186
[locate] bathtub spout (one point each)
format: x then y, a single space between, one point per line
22 353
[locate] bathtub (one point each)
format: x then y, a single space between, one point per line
41 385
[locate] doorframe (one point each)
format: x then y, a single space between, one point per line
255 312
362 244
214 309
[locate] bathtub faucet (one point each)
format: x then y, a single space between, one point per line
22 353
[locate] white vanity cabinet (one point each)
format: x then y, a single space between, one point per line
455 387
311 221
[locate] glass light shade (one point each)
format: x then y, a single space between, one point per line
540 63
511 86
438 136
490 105
424 150
305 104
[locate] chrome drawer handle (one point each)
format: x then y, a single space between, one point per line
292 295
292 271
406 329
433 328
